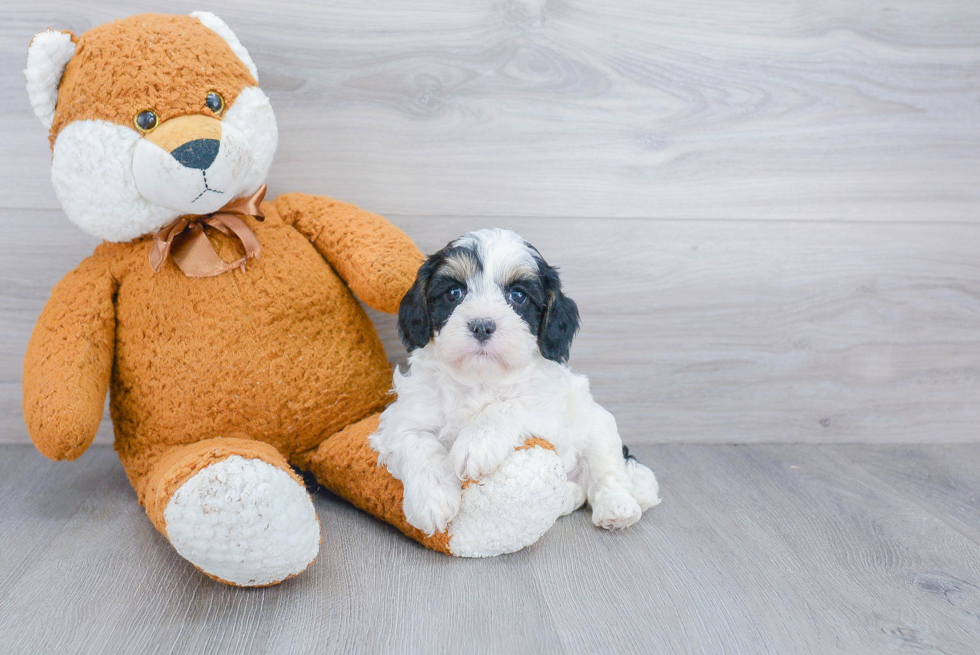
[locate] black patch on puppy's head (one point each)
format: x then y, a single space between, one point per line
559 319
427 306
414 323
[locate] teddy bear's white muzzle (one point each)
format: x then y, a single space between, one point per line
197 176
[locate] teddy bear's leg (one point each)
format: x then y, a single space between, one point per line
502 513
234 509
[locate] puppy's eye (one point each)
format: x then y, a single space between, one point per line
518 297
214 102
454 293
145 121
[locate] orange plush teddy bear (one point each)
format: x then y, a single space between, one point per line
226 328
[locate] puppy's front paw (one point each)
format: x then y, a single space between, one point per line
431 505
478 452
615 511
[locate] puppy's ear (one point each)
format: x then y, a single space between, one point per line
414 322
559 322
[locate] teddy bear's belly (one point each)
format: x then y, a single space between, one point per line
290 356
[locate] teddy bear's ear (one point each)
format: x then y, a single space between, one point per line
215 24
49 53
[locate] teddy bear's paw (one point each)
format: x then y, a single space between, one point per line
245 522
574 498
511 507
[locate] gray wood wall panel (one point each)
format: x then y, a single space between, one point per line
785 110
705 330
768 213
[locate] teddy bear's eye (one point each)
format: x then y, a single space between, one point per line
145 121
214 102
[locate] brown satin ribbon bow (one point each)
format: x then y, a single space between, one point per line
185 241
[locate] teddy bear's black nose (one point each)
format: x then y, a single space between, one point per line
199 153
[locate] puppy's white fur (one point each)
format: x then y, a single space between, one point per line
466 404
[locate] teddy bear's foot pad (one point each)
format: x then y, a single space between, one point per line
244 521
512 507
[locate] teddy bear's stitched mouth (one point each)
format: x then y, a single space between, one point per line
204 174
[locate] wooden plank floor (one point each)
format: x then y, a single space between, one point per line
755 549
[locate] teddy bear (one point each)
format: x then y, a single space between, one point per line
227 328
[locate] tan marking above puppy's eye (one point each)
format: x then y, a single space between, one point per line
145 121
214 102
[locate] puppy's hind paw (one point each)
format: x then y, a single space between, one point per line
616 512
430 507
646 489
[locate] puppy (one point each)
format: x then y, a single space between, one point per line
488 330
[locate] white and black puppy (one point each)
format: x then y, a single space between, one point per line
489 330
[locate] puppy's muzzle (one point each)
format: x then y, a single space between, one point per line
482 329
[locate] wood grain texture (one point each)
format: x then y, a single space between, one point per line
755 549
717 331
768 213
772 549
810 109
600 131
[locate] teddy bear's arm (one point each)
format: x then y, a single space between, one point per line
69 361
376 259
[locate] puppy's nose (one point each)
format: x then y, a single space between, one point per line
199 153
482 328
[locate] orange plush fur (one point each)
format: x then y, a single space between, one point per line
275 363
149 61
266 362
281 353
